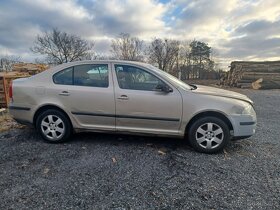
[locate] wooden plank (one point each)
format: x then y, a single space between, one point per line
1 85
4 95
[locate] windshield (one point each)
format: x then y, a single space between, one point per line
170 77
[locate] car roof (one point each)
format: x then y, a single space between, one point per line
98 61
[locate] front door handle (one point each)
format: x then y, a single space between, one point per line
64 93
123 97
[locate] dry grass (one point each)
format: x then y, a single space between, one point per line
7 122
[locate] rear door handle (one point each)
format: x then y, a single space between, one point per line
64 93
123 97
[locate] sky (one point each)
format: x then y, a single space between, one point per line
235 29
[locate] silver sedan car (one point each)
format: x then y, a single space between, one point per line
129 97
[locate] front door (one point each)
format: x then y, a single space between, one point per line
142 108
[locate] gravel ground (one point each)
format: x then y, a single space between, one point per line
98 171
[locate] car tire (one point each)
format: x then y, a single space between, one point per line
209 135
54 126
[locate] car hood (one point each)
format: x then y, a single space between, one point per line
206 90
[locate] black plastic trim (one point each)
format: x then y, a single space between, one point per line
127 116
247 123
19 108
148 118
235 138
93 114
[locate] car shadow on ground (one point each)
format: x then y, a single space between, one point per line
129 139
125 140
170 144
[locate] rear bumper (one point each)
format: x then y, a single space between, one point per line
243 125
22 114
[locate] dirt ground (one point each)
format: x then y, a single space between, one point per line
8 123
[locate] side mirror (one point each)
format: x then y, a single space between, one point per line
163 88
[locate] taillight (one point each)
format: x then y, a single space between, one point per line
11 91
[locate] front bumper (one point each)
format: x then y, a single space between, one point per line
243 125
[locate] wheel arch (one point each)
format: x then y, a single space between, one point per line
47 107
211 113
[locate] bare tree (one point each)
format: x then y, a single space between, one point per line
7 61
164 53
61 47
126 47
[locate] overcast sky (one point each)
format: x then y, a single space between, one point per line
236 29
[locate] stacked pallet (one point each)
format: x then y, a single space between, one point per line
257 75
5 81
3 93
29 68
19 70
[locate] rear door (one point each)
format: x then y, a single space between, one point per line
140 107
88 95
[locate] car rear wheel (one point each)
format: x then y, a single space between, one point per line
53 126
209 135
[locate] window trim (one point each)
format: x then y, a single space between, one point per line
141 68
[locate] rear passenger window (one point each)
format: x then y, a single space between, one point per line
95 75
64 77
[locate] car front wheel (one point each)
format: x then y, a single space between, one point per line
209 135
53 126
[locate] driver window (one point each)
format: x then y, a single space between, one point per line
134 78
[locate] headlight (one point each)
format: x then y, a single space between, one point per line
248 110
237 109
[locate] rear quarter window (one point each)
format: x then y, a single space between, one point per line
64 77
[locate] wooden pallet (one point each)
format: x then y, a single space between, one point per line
5 81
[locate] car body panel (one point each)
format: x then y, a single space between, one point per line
91 107
206 90
147 111
217 104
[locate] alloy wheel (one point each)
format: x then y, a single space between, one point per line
209 135
53 127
